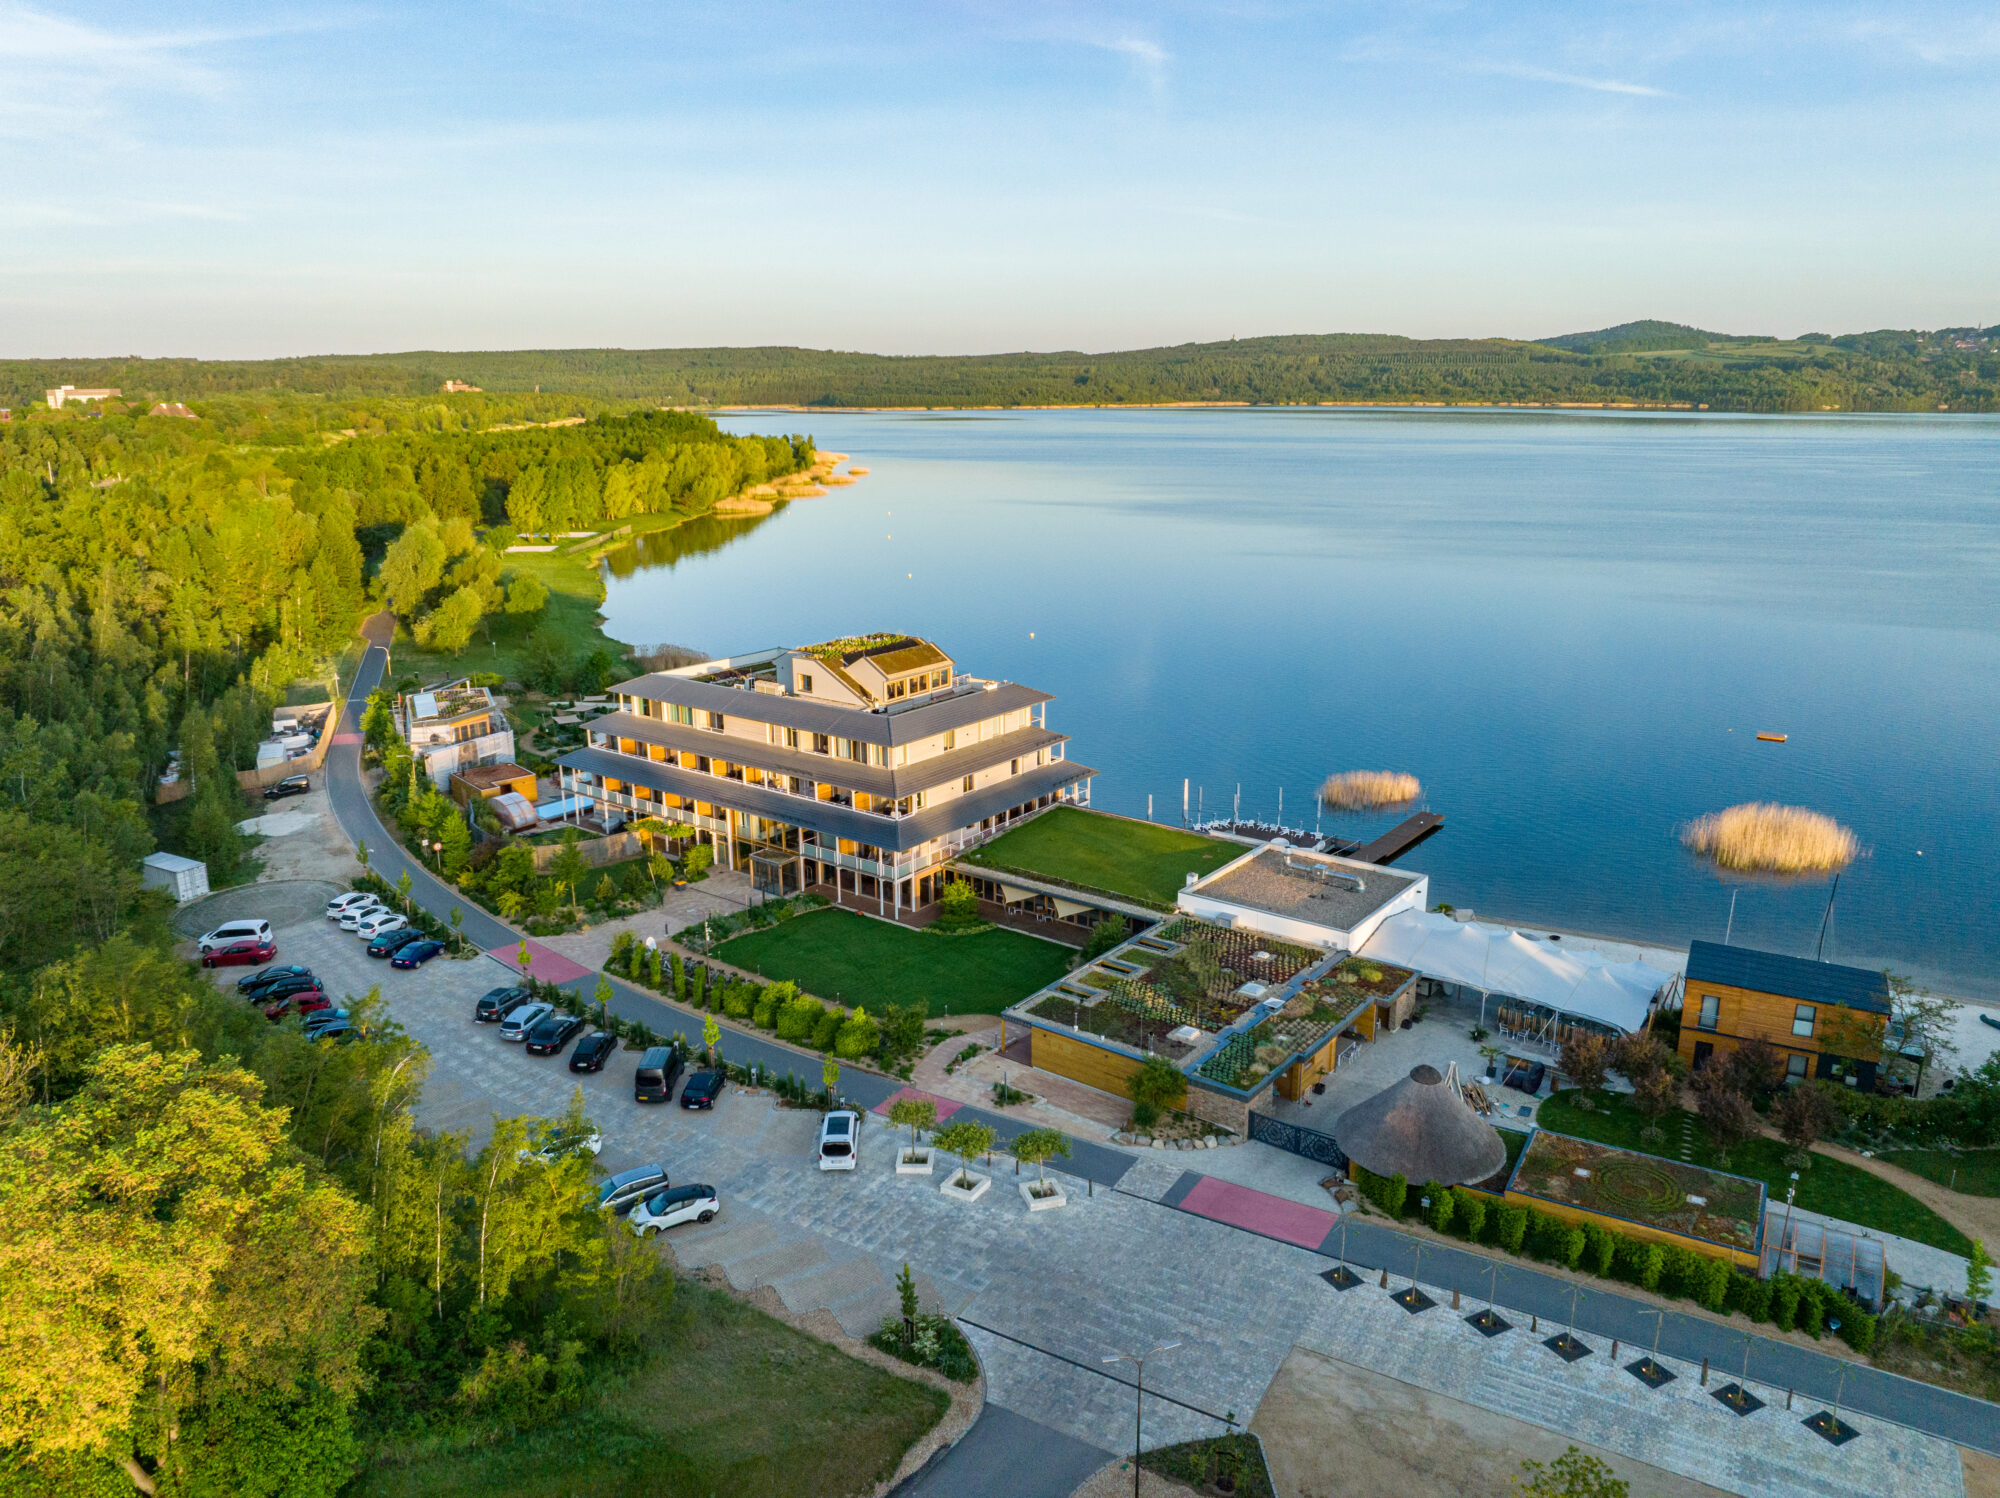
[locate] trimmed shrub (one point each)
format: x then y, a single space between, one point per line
827 1028
1678 1268
798 1018
1813 1296
1395 1195
1510 1227
1752 1296
857 1037
1784 1302
1711 1281
1469 1217
653 967
1644 1262
738 999
679 970
1567 1239
1599 1247
764 1013
1857 1326
1441 1207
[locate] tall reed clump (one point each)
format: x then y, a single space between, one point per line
1363 790
1761 837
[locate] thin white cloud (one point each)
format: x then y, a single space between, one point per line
1572 80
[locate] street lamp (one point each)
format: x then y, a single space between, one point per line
1790 1192
1139 1401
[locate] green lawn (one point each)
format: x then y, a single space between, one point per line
1830 1186
1140 860
732 1402
1974 1172
839 955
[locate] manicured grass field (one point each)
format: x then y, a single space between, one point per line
733 1401
836 954
1140 860
1830 1186
1973 1172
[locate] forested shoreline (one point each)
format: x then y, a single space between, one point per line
1645 364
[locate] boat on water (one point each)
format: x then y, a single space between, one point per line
1773 738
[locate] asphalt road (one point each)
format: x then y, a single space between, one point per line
1601 1312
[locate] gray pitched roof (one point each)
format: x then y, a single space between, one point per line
1793 977
896 724
1420 1129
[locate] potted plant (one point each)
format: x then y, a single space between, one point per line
964 1140
919 1116
1037 1147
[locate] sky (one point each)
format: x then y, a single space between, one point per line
229 180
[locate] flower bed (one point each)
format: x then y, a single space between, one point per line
1707 1205
1198 984
1114 1022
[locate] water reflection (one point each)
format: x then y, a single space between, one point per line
699 537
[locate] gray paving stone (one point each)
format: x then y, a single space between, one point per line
830 1285
787 1258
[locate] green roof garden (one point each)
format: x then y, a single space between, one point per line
1088 850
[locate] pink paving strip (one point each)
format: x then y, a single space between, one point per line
550 967
945 1106
1272 1216
347 738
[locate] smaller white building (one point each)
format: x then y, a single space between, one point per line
1311 898
454 727
184 878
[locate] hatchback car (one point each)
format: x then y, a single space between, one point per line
376 922
389 943
235 931
624 1191
341 1032
352 917
278 989
291 785
517 1025
496 1004
271 975
552 1033
839 1140
658 1070
320 1021
702 1089
339 905
675 1205
416 953
288 1003
593 1051
239 954
311 1003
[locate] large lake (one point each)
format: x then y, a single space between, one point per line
1571 626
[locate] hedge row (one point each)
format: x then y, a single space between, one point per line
1787 1300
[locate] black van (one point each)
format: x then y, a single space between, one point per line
658 1070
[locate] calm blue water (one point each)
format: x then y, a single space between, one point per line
1570 626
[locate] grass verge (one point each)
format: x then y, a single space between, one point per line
837 954
1970 1172
1140 860
1830 1186
732 1401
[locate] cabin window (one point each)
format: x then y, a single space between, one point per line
895 690
1711 1007
806 682
1802 1020
951 738
1795 1068
968 782
715 722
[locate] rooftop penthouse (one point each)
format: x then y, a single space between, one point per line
863 764
454 727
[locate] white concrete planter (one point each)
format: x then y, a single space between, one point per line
1047 1203
956 1192
919 1166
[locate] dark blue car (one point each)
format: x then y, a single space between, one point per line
417 953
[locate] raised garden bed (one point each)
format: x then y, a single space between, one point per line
1114 1022
1707 1205
1198 983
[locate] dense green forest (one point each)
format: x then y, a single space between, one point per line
229 1262
1644 363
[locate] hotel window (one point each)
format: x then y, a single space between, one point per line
1795 1068
714 722
1802 1020
822 744
951 738
895 690
806 682
968 782
1014 767
857 751
1711 1007
680 714
880 755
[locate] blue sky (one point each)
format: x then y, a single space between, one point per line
229 180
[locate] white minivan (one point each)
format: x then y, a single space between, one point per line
222 936
840 1140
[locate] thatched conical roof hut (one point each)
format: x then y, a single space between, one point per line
1421 1129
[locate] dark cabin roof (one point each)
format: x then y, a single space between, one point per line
1792 977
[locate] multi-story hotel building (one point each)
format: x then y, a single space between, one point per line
863 764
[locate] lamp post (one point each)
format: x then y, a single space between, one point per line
1790 1192
1138 1362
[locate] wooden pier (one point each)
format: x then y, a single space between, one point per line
1399 839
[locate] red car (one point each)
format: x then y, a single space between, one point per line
244 953
303 1001
310 1002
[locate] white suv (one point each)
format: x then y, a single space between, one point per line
675 1205
376 922
352 917
233 931
354 899
840 1140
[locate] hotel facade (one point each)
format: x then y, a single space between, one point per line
863 764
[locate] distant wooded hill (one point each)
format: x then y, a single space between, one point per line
1642 363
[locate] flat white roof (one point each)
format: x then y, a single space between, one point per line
173 863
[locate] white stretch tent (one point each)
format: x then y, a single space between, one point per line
1576 981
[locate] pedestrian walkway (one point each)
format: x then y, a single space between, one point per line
1256 1212
945 1106
543 964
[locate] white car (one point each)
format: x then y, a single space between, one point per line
840 1140
378 921
235 931
517 1025
354 899
560 1145
675 1205
354 915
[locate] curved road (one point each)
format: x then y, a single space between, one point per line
1604 1312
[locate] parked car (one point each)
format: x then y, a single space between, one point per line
282 987
352 917
291 785
311 1003
675 1205
702 1089
840 1140
325 1017
552 1033
289 1002
389 943
624 1191
416 953
339 905
376 922
239 954
235 931
496 1004
271 975
340 1031
517 1024
557 1146
593 1051
658 1070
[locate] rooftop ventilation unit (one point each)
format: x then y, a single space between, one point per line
1322 873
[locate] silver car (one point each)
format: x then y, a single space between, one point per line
517 1025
